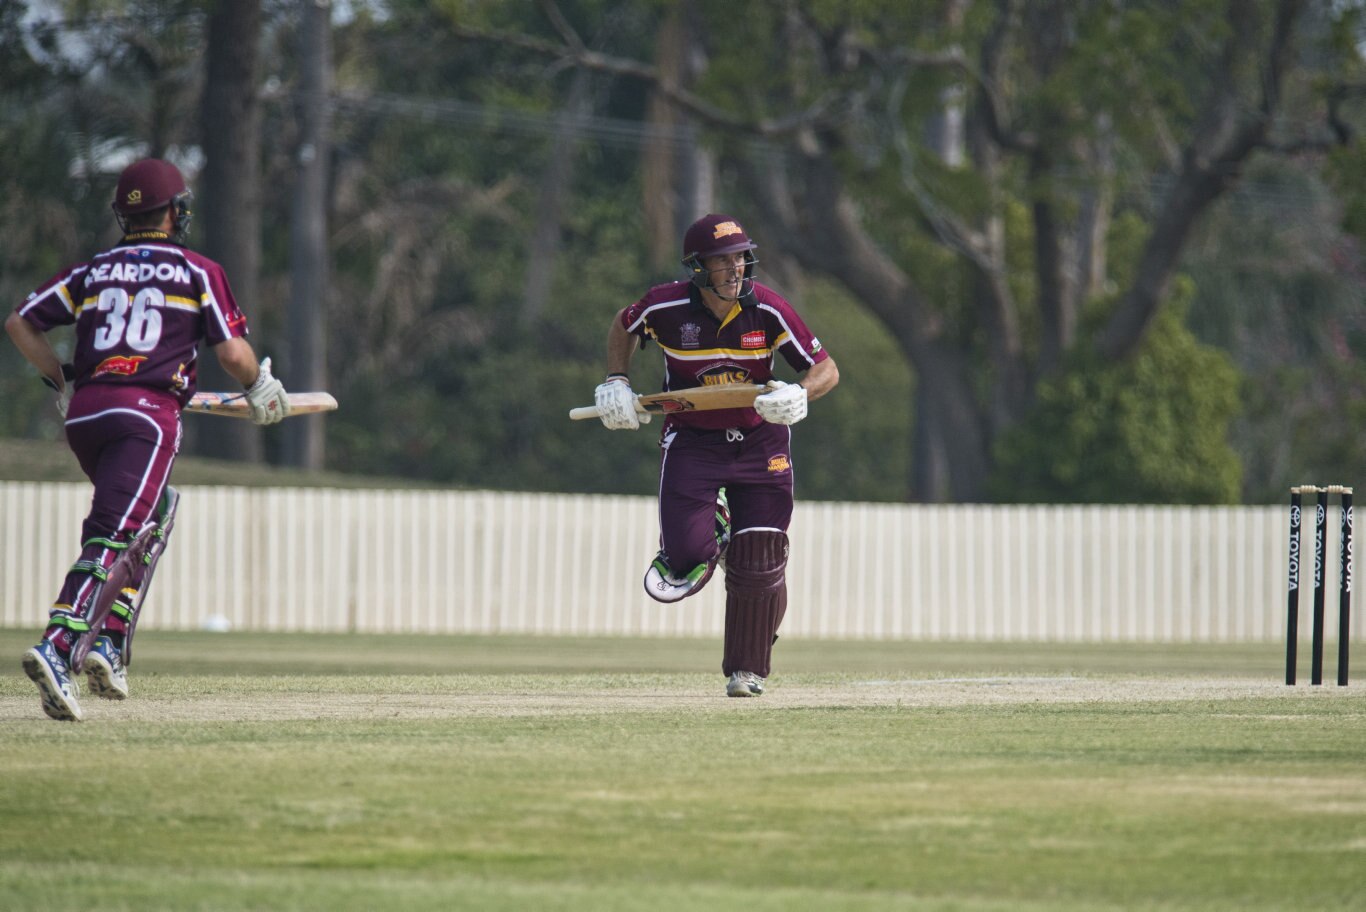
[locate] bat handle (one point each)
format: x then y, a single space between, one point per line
591 411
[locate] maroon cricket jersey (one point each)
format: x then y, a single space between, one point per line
700 350
140 310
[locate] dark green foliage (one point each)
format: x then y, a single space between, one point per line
1279 286
857 440
1346 172
1153 429
441 146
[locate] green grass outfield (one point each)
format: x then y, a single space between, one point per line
354 772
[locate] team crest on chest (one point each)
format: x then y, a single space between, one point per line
691 335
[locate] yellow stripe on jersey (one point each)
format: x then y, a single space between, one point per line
734 312
171 301
702 354
66 299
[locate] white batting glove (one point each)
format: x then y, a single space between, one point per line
267 398
617 405
785 405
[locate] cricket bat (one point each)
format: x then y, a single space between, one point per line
234 405
696 399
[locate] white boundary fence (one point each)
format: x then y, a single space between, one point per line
484 562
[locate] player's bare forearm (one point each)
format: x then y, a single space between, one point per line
35 348
821 378
621 346
238 359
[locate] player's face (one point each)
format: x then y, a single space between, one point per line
726 272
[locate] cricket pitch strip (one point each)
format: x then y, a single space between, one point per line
396 697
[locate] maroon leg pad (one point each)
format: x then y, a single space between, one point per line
101 600
756 600
156 545
81 591
132 569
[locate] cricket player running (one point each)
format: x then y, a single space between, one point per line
140 310
725 480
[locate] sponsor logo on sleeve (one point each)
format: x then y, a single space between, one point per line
779 463
815 345
753 340
122 365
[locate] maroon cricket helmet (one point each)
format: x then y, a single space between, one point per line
146 185
151 184
715 235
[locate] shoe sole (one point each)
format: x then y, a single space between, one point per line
55 703
100 675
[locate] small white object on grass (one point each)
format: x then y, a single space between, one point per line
216 623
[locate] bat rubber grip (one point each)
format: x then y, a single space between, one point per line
591 411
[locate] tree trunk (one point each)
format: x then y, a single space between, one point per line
678 173
1231 130
825 231
229 200
555 181
929 463
1093 224
945 134
306 359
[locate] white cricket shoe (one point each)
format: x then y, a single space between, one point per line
744 684
105 672
45 667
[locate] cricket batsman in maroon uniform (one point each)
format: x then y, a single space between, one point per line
725 480
140 310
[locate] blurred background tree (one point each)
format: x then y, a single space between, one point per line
1041 238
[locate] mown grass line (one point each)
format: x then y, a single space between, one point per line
268 653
